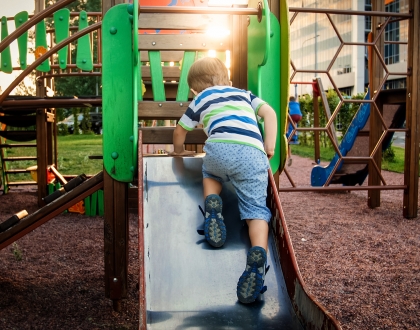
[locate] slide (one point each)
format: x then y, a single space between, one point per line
49 211
355 143
185 283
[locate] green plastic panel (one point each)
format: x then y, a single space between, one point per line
156 76
258 44
41 46
6 57
284 79
87 206
84 57
271 72
119 135
62 25
133 12
94 203
20 19
183 88
101 202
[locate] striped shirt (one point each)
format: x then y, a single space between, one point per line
228 115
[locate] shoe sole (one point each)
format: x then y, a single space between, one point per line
251 281
214 226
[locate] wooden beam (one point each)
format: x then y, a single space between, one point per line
41 153
375 124
411 164
161 110
116 239
163 135
197 42
171 21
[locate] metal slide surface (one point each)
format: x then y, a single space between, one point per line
189 284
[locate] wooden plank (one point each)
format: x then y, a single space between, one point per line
18 121
19 136
166 56
168 73
161 110
197 42
163 135
84 57
51 210
183 21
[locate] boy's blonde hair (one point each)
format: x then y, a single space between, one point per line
207 72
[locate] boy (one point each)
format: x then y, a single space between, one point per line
236 152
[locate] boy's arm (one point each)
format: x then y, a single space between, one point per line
178 140
270 128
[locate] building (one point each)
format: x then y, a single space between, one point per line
314 43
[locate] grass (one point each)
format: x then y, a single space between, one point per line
74 152
73 156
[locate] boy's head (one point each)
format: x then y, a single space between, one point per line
207 72
292 99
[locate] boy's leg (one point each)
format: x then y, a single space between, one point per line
251 283
258 232
214 226
211 186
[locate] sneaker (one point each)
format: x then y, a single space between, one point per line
289 162
251 283
214 227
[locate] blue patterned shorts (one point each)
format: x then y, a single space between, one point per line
246 168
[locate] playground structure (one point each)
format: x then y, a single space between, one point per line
122 145
362 154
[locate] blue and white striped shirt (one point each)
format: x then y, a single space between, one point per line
228 115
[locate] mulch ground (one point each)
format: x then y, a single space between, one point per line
362 264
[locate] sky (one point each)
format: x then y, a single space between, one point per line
10 8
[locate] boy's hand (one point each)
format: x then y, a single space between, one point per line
269 151
182 153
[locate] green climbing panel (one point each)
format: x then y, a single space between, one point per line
6 58
20 19
183 88
84 58
119 94
62 25
41 46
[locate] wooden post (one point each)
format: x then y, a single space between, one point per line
115 226
375 124
239 52
116 239
411 164
317 155
107 4
41 153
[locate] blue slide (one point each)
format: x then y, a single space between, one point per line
320 174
